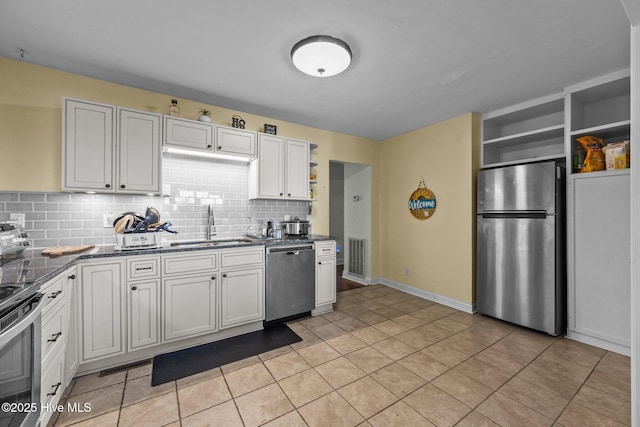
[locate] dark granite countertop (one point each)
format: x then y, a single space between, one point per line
33 268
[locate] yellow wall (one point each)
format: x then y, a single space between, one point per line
439 251
31 130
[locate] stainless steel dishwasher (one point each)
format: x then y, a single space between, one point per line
290 285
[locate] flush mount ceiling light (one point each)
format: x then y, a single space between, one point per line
321 56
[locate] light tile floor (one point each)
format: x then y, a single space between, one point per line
383 358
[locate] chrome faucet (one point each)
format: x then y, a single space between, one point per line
211 228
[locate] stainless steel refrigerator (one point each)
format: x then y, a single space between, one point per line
521 274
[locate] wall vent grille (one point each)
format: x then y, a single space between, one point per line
357 249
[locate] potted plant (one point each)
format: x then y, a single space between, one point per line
205 115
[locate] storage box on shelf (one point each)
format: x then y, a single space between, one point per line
530 131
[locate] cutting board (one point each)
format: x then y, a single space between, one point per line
54 251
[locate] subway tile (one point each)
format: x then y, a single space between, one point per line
57 234
58 197
45 207
32 197
45 225
18 206
70 207
9 197
53 216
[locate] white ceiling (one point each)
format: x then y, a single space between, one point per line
415 62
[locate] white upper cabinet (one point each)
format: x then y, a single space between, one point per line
527 132
88 136
236 142
281 170
266 173
297 170
188 135
109 149
138 151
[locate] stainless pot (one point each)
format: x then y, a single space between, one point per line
296 227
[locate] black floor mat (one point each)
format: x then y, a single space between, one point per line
179 364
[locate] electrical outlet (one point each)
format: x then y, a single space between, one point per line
107 220
18 217
407 271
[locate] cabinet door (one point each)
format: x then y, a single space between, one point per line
297 170
88 144
72 353
139 152
270 174
102 309
599 275
325 281
241 297
189 306
188 134
235 141
144 301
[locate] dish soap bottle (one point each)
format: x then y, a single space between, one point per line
174 110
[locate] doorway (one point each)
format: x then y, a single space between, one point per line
350 218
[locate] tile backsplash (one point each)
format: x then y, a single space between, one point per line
190 185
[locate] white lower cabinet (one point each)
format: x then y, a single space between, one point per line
189 306
143 313
325 273
72 354
598 244
241 297
102 302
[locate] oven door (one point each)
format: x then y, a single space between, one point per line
20 364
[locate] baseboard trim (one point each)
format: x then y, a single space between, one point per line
363 281
440 299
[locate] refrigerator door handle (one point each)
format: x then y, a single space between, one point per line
515 214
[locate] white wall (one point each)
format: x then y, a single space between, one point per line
336 206
635 228
357 214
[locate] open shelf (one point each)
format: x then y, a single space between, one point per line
527 132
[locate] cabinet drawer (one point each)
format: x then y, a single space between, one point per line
143 268
53 291
52 383
239 257
53 331
189 263
325 249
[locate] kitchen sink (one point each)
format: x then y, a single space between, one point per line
216 242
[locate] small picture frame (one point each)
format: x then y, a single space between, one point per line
270 129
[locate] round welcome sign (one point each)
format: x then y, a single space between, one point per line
422 202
